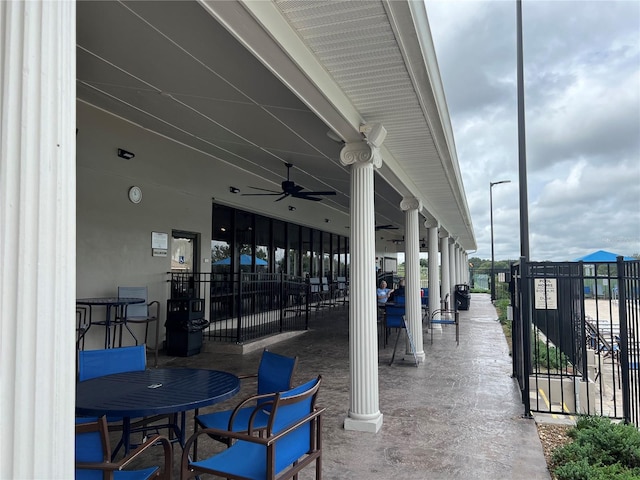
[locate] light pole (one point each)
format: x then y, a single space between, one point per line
493 275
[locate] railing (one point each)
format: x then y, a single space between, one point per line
576 337
247 306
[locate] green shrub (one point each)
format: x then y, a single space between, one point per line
600 450
548 356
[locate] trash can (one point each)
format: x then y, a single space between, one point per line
185 322
462 297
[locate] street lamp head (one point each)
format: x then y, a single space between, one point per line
491 184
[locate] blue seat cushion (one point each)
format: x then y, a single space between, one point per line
248 460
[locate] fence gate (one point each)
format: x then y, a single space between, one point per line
575 337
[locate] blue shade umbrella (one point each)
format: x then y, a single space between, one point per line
601 256
244 260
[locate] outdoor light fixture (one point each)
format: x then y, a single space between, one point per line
493 279
126 155
291 208
234 189
326 220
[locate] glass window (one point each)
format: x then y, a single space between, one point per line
307 253
263 240
221 236
279 258
295 264
316 248
244 240
326 255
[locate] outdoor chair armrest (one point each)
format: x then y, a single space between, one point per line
243 404
119 465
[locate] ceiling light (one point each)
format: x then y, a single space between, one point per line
126 155
326 220
234 189
291 208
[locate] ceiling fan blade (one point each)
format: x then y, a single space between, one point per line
317 193
284 195
259 194
264 190
307 197
386 227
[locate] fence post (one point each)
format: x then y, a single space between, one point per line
624 342
525 316
239 310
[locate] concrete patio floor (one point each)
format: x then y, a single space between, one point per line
458 416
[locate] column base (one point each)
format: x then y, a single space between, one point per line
421 357
371 425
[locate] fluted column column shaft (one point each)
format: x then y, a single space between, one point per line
413 312
445 284
364 411
434 277
452 270
37 238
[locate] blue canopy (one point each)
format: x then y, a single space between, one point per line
244 260
601 256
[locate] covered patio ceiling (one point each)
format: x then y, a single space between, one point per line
260 84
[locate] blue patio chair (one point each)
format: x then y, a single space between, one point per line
274 374
99 363
94 460
445 317
142 313
290 441
394 318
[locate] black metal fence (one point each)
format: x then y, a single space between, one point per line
247 306
576 331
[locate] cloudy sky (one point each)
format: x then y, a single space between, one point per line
582 100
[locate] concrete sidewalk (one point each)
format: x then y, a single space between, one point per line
458 416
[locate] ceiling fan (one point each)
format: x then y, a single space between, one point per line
290 189
386 227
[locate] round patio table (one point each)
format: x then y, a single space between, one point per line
154 392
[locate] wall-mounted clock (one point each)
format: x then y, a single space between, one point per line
135 194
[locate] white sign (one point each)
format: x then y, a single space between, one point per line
160 240
159 252
545 293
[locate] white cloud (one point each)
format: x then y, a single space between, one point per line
582 98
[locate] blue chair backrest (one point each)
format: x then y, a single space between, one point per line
399 299
98 363
275 372
295 444
90 449
394 316
135 309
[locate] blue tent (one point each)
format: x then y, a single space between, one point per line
601 256
244 260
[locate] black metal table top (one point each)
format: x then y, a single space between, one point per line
154 391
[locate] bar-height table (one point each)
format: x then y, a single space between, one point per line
120 304
158 391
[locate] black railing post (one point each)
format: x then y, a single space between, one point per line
239 310
525 313
283 300
624 342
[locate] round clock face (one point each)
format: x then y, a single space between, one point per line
135 194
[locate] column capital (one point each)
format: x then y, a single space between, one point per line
410 203
431 223
360 153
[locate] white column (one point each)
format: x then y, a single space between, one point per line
413 312
37 238
364 412
434 277
444 267
452 269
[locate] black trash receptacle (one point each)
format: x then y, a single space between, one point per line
462 297
185 322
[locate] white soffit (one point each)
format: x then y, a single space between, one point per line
364 48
